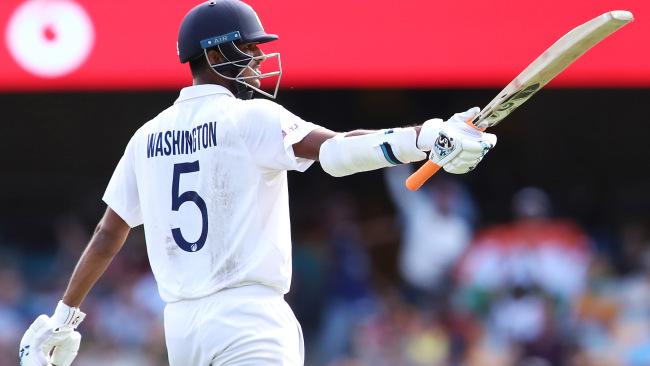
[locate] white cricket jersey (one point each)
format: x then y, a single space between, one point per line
207 177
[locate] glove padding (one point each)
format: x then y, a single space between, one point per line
455 145
32 351
52 341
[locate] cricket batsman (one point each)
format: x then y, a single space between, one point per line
207 178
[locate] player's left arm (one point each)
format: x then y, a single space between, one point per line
53 340
309 147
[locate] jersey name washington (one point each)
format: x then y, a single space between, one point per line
168 143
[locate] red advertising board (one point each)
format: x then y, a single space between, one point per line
108 45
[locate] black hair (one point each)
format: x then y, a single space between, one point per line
198 65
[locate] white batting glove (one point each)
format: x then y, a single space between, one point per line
455 145
65 346
52 341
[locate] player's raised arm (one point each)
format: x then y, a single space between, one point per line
53 340
454 145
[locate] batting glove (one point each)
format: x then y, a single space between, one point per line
52 341
455 145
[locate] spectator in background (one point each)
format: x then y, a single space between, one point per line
614 312
12 289
398 333
524 276
348 298
436 226
309 258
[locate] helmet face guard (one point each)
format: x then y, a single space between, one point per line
237 62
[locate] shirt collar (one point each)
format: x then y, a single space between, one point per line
196 91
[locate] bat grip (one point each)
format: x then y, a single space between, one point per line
427 170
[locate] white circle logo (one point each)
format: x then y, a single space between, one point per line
50 38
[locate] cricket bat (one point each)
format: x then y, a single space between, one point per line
545 67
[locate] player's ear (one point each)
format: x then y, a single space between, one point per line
215 57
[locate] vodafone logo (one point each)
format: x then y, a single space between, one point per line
50 38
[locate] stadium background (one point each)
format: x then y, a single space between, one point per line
582 141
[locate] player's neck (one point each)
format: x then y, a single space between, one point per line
210 81
207 80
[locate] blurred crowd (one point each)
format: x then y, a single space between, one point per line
428 285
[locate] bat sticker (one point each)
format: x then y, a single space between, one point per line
504 107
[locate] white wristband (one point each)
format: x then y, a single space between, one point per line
66 316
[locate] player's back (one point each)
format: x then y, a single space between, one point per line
210 178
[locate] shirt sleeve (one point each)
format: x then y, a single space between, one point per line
122 192
270 132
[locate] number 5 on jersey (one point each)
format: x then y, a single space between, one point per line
191 196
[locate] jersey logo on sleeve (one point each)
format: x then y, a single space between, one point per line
290 129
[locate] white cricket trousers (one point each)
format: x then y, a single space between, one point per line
243 326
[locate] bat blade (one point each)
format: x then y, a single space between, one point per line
549 64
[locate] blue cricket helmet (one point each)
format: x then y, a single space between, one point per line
219 22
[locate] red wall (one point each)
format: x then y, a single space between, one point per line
343 43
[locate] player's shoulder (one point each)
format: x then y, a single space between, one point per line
260 114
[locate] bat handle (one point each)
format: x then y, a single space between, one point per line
428 170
